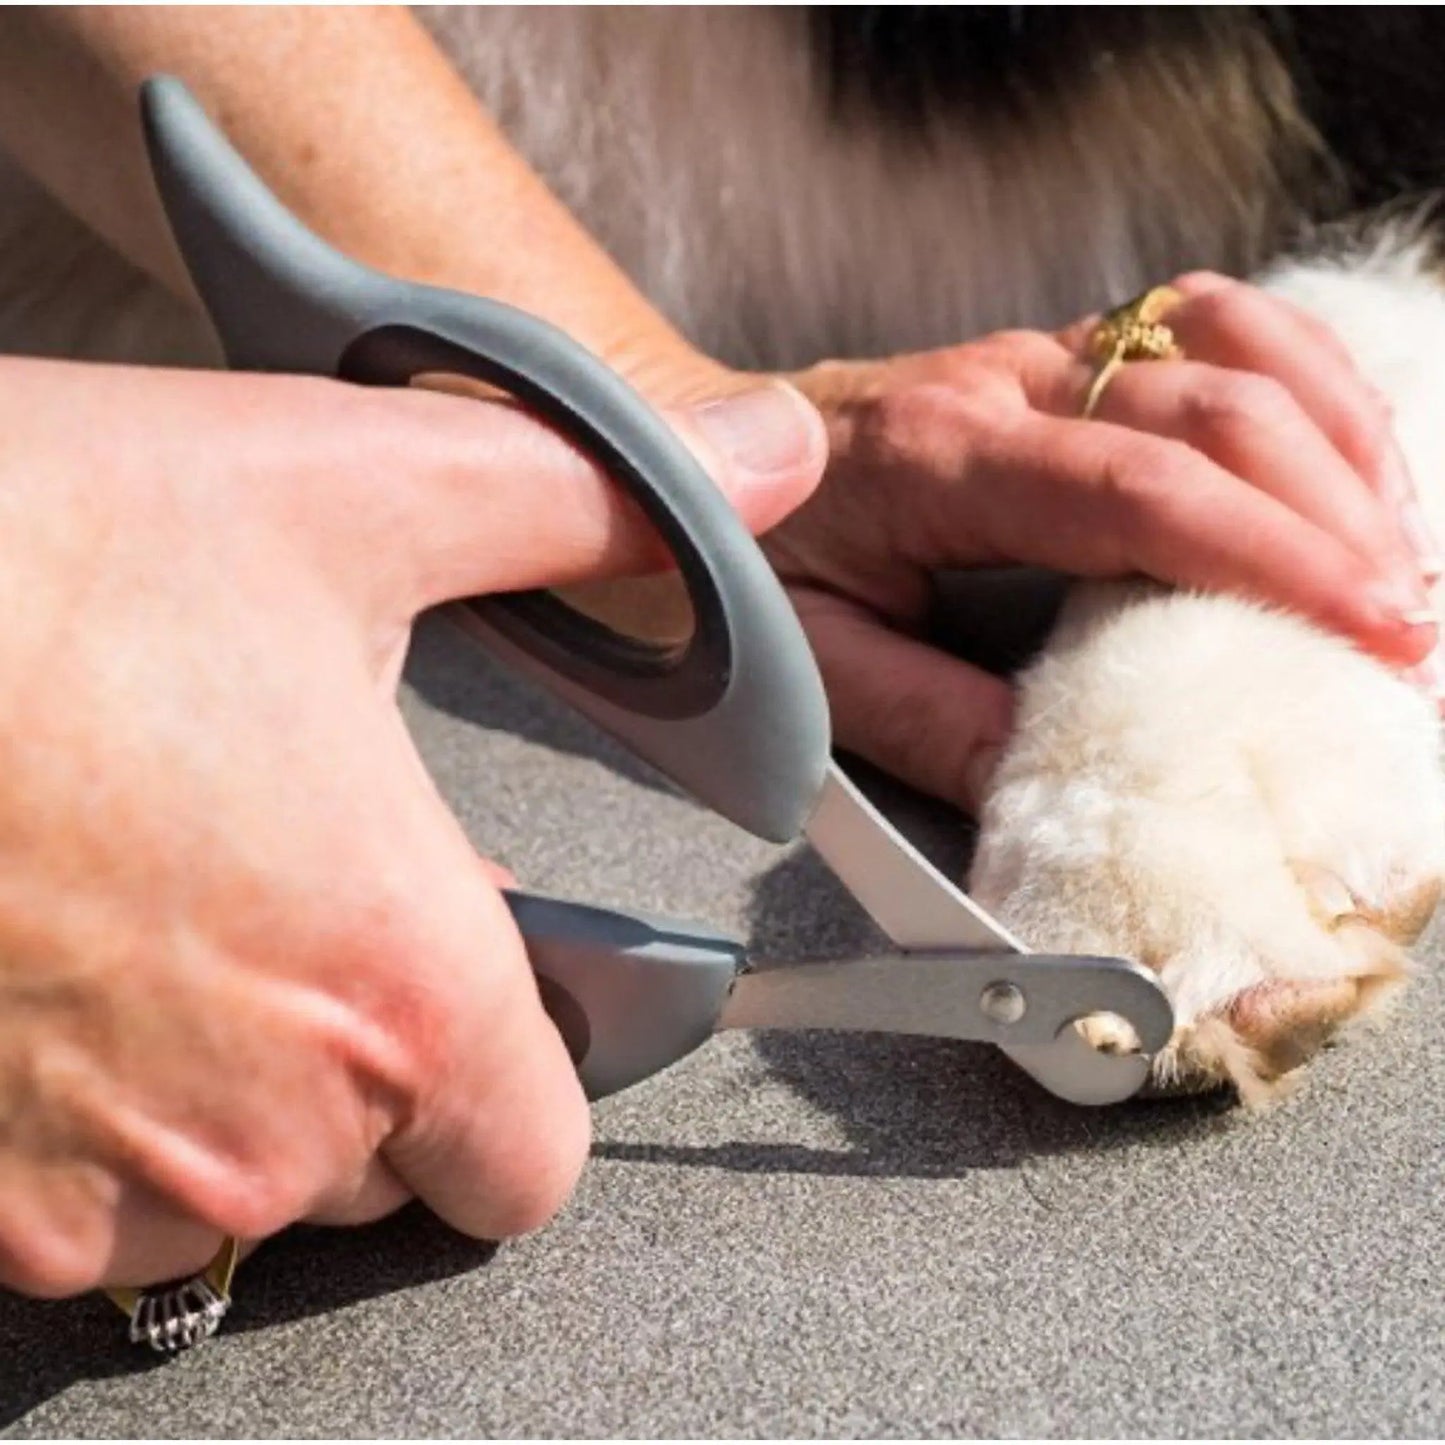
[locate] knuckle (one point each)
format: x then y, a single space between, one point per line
256 1204
276 1175
260 1182
1024 348
1233 309
1138 480
912 408
1239 401
1320 332
46 1265
919 422
1034 365
376 967
1202 282
375 925
1369 438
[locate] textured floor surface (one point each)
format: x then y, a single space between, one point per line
823 1235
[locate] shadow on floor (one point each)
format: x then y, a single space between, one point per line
48 1346
996 618
911 1107
454 674
928 1109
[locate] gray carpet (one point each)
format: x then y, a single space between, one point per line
823 1235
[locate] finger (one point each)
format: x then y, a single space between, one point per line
1190 322
1244 327
68 1227
1322 336
1419 534
1247 329
1251 426
492 500
155 1241
500 1127
1401 493
906 707
1121 502
373 1194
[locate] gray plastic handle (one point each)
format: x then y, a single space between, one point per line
629 994
737 715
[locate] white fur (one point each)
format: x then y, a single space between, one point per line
1190 774
1176 759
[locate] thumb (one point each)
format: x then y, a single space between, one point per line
497 501
764 445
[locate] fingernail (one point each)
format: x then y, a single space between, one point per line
1396 486
768 430
1404 600
1399 491
1422 541
979 770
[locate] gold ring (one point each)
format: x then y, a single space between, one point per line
1132 332
173 1317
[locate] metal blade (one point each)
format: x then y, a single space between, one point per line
1069 1069
1017 1001
964 975
909 899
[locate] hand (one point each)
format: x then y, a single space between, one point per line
250 968
1193 474
1261 465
